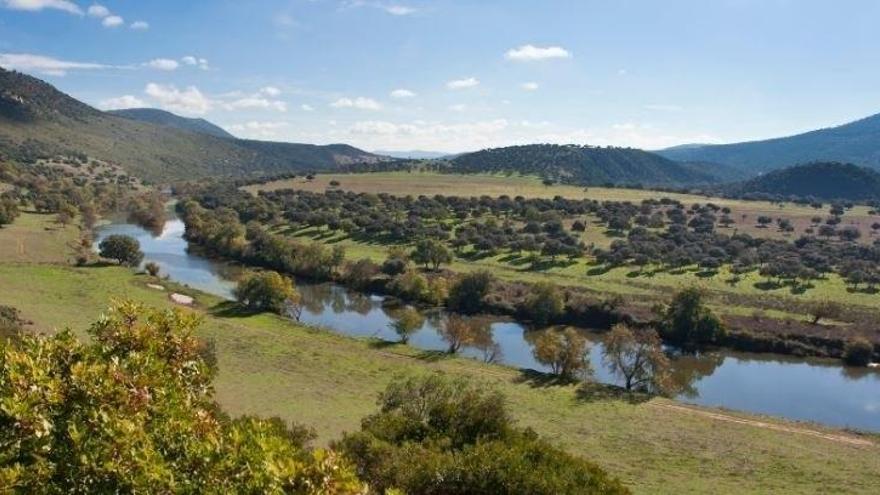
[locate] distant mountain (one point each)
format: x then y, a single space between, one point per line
586 165
415 154
37 120
857 142
821 180
168 119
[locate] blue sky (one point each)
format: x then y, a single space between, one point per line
462 75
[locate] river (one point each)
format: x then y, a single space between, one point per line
816 390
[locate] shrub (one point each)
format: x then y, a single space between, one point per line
687 320
565 351
124 249
132 411
441 435
466 295
409 285
267 291
361 272
544 304
152 268
858 352
394 266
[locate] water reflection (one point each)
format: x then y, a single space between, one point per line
816 390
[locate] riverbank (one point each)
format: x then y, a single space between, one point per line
802 389
272 366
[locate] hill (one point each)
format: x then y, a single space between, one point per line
856 142
821 180
38 121
585 165
168 119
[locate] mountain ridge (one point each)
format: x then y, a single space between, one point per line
168 119
38 121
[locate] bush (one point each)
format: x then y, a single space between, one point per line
152 269
267 291
566 352
544 304
467 294
687 320
124 249
409 285
394 266
438 435
858 352
132 411
360 273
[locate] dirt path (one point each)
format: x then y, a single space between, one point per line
834 437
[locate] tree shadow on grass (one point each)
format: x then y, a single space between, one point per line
538 379
432 356
598 270
862 290
600 392
231 309
706 273
767 285
542 265
383 344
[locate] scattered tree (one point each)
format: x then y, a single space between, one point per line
408 322
122 248
268 291
636 356
565 351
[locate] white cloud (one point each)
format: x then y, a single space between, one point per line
125 101
529 86
402 93
189 100
38 5
256 101
460 107
139 25
528 53
98 10
191 60
360 103
270 91
257 129
113 21
43 64
469 82
417 134
399 9
663 107
307 108
163 64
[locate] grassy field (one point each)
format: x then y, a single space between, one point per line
745 297
269 366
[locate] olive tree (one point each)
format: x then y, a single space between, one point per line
636 356
123 248
565 351
268 291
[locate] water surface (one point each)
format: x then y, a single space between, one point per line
804 389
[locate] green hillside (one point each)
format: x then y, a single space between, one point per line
585 165
856 142
822 180
38 121
168 119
